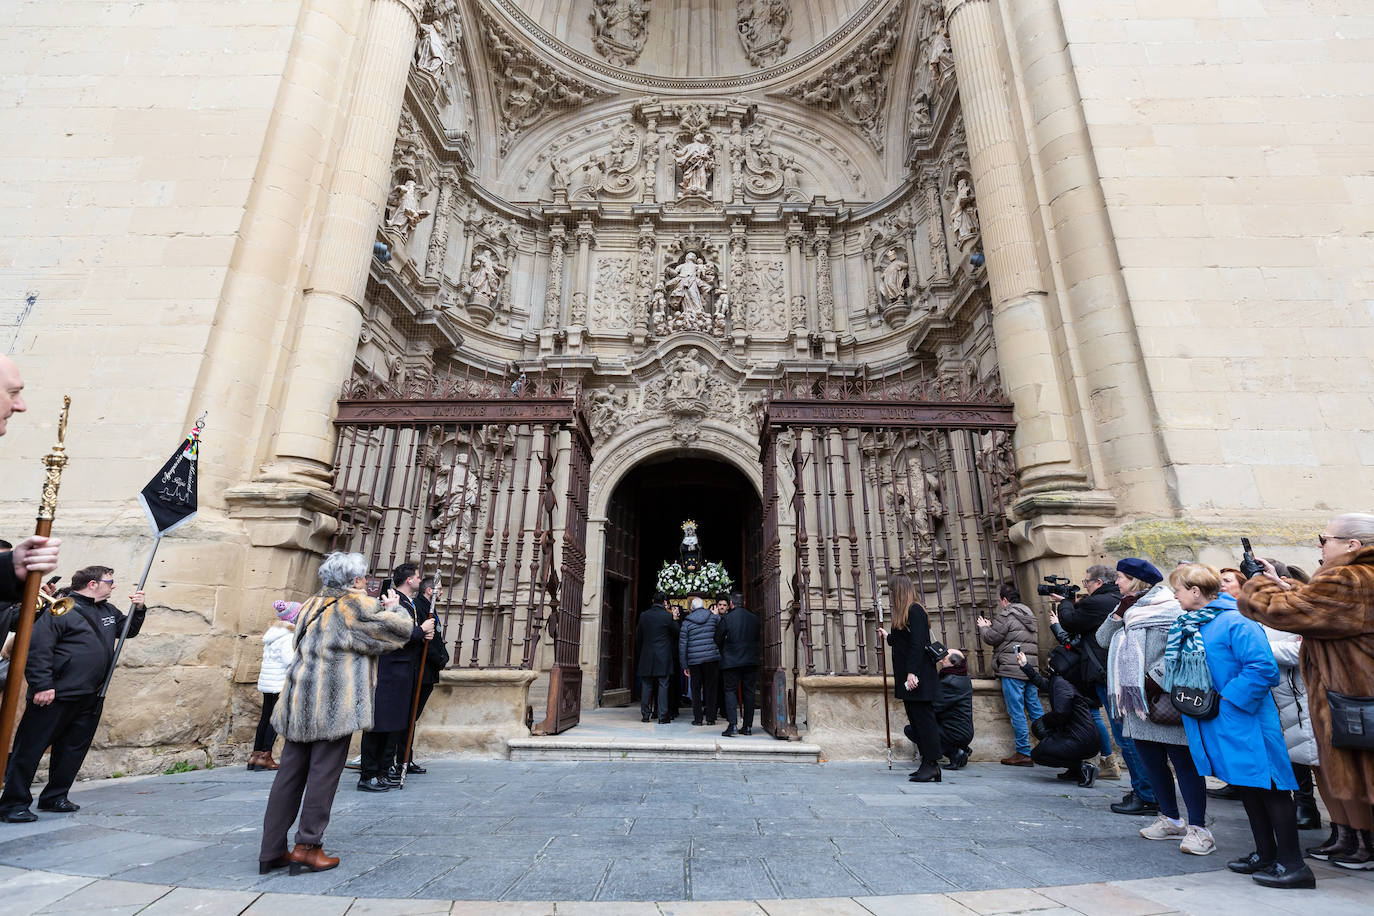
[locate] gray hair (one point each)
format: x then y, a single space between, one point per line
339 569
696 604
1103 574
1354 525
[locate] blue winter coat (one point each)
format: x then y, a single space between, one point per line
1244 743
697 639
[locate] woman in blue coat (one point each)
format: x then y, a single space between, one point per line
1212 646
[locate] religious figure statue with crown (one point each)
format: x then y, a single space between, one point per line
691 575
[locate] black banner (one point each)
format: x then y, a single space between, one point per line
169 499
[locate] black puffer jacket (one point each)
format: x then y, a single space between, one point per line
697 641
1069 721
954 710
72 653
1081 620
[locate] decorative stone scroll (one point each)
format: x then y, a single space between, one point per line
765 29
855 88
619 29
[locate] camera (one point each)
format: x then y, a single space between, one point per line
1056 587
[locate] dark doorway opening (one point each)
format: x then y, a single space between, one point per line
644 530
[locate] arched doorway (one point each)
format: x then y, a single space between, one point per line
643 530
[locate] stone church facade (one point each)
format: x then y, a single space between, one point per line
962 288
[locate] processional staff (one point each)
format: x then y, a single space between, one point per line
53 464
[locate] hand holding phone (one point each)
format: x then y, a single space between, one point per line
1249 566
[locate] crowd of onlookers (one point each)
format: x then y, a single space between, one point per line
1257 674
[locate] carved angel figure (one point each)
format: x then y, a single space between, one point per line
607 412
406 213
618 29
698 163
687 379
486 275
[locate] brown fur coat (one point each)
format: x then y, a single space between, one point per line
1334 614
327 693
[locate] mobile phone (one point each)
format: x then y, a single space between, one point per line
374 586
1249 552
1249 566
1016 648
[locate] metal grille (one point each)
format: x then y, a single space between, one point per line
460 476
912 477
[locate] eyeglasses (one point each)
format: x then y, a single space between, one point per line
1323 538
108 581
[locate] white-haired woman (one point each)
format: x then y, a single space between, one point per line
326 697
1334 615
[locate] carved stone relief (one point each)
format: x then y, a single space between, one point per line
683 392
855 88
619 29
765 295
765 29
612 304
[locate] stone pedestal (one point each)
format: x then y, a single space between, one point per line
475 711
844 717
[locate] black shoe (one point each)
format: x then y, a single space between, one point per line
1070 773
393 773
644 718
926 773
665 721
19 816
710 721
1249 865
1133 804
377 784
958 760
1281 876
1088 775
414 769
60 807
729 732
746 730
1227 792
1341 841
696 722
1309 818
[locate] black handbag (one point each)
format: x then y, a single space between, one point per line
1196 703
936 651
1159 705
1352 721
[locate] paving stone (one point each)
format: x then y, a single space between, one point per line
109 855
320 882
1102 900
298 905
711 908
502 908
898 874
107 896
909 904
34 890
184 900
478 878
813 876
561 879
580 826
1010 900
608 908
833 906
645 878
730 878
365 906
399 876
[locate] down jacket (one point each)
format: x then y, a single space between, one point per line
1291 697
278 648
1334 615
697 639
327 693
1011 626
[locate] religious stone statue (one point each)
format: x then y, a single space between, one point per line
558 176
963 217
765 29
687 379
940 58
689 284
457 494
406 213
895 278
432 55
485 279
619 30
607 412
698 163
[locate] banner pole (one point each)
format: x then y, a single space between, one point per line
128 618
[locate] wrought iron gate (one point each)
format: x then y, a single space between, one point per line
865 480
483 483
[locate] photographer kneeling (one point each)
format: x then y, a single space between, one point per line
1078 616
1067 733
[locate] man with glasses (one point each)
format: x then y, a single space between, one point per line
68 660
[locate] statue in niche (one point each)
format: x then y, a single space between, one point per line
432 54
558 177
963 217
405 212
940 58
608 411
920 117
895 278
457 496
791 179
687 379
619 29
591 177
689 285
485 278
698 163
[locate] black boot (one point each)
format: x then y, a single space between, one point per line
925 773
1341 841
1361 858
1309 818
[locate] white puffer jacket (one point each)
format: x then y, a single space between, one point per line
1291 697
278 649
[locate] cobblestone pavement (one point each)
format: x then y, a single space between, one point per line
662 833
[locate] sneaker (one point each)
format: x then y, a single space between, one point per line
1198 842
1163 829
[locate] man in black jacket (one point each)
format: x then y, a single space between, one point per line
954 709
33 554
655 636
391 701
1081 618
738 637
69 657
436 660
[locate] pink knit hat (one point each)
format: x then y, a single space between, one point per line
286 610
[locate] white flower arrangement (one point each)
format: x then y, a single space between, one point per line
677 582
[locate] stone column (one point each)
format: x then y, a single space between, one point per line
332 312
651 142
1045 439
581 273
1082 244
798 317
558 257
829 317
644 286
438 238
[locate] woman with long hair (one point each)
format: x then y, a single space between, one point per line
914 677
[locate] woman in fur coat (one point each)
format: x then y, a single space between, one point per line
1334 615
327 696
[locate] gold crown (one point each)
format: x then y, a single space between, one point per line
689 524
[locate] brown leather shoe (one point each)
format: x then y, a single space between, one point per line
255 761
268 763
310 858
1017 760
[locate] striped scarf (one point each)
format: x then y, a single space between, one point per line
1185 657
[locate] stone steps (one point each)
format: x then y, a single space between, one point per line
570 747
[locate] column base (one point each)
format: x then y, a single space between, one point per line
475 711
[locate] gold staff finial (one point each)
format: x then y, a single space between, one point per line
53 463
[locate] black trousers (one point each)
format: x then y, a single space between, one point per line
68 726
310 771
379 752
921 715
704 690
651 687
743 679
267 735
1061 752
1274 824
